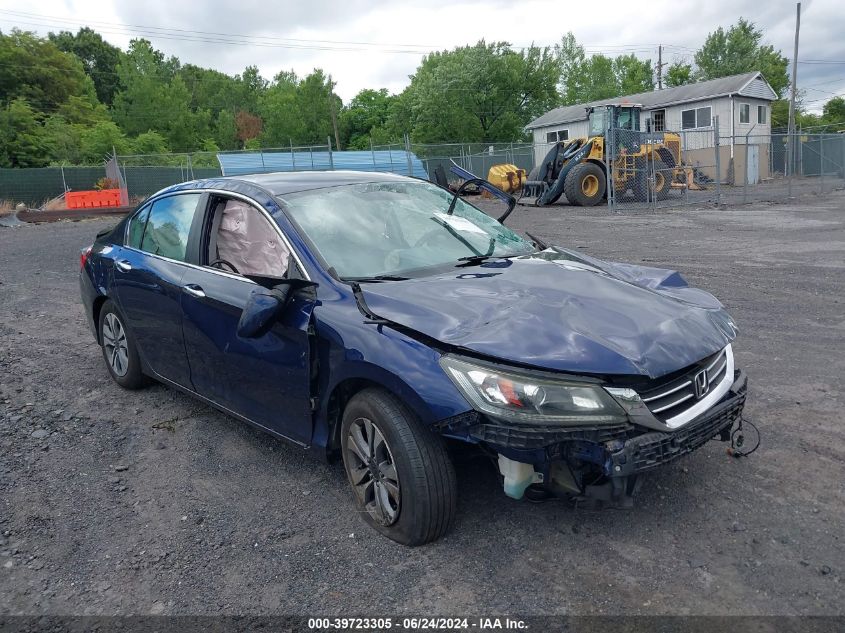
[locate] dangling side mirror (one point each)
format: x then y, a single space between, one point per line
262 309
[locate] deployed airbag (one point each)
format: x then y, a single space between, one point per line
247 240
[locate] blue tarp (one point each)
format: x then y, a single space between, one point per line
393 161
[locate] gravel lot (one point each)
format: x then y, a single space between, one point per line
114 502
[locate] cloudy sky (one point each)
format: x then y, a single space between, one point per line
378 43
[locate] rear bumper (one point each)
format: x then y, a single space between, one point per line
644 452
88 294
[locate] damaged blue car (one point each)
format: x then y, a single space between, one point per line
375 319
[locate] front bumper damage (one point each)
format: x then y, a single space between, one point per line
600 464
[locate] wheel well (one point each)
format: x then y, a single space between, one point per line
339 398
98 305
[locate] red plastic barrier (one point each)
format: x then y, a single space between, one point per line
92 199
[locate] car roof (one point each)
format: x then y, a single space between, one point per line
281 183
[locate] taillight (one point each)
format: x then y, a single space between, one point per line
83 255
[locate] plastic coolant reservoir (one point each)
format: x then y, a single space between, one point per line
518 476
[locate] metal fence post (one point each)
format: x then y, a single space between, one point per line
821 162
408 155
609 155
292 155
373 152
716 141
790 158
331 158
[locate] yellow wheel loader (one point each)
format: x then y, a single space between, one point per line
646 164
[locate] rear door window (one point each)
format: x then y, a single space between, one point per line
169 225
135 231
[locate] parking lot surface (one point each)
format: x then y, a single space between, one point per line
116 502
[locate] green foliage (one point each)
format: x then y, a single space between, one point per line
297 111
150 143
98 57
584 79
740 50
485 92
678 74
35 69
364 118
834 111
22 139
100 140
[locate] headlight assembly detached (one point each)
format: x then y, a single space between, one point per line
525 397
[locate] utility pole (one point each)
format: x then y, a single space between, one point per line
790 131
334 114
660 67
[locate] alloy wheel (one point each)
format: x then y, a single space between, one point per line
115 345
373 472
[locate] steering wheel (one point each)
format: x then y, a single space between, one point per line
218 263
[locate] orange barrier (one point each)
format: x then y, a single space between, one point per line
92 199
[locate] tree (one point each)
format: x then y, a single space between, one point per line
225 130
142 102
98 57
102 139
485 92
633 75
584 79
365 117
22 139
149 143
740 50
678 74
834 111
248 126
35 69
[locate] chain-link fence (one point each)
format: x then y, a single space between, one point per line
653 170
647 170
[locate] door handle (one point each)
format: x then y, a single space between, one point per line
123 266
194 290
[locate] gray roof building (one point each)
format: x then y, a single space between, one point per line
751 85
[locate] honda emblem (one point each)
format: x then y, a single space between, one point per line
701 383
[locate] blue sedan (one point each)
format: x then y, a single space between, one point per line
376 319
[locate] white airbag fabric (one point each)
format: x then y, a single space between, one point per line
247 240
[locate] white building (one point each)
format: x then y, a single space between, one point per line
742 104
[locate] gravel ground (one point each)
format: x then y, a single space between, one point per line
113 502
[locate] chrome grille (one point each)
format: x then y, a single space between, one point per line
670 400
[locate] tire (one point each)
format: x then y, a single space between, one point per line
662 180
585 185
415 477
644 191
125 367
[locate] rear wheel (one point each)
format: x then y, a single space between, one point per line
119 350
401 476
662 180
585 185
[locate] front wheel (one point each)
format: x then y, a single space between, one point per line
585 185
401 476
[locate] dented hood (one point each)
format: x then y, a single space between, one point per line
561 310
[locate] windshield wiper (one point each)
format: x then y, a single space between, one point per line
376 278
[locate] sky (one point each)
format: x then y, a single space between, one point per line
379 43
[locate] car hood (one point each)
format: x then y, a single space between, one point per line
562 310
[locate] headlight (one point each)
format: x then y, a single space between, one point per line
521 396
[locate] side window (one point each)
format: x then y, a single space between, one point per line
136 227
169 225
744 113
243 240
